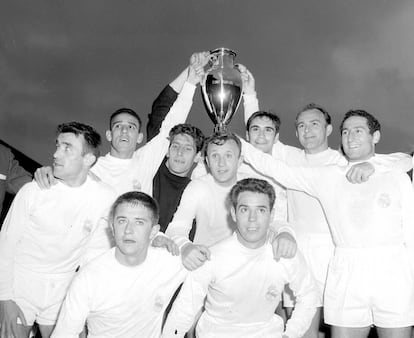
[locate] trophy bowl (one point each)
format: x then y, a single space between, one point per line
222 88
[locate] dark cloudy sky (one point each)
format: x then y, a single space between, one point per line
65 60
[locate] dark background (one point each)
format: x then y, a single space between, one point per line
81 60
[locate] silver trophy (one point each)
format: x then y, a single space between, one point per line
222 88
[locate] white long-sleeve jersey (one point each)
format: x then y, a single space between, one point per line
137 173
53 231
240 288
207 202
120 301
375 213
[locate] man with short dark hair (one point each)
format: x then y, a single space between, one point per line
47 234
125 291
206 200
172 177
241 284
126 168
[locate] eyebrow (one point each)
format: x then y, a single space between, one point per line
255 206
63 142
127 122
257 125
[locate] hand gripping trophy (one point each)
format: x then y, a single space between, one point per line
222 88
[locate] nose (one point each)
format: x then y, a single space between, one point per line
124 129
128 228
221 161
352 135
56 153
252 215
180 150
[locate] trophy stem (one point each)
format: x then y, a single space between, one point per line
220 128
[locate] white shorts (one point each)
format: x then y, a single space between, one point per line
318 250
40 296
370 286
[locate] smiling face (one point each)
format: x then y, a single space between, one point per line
262 134
134 228
313 131
181 154
252 215
357 141
223 161
124 135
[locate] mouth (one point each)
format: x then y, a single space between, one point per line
128 241
353 146
252 229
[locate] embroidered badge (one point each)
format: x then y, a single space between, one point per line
384 200
272 293
136 185
87 226
158 304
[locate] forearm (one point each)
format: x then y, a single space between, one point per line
399 162
160 108
188 303
250 104
303 286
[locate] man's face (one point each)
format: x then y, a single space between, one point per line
223 161
124 135
69 162
357 142
313 131
252 216
134 228
181 154
262 134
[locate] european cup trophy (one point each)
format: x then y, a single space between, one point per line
222 88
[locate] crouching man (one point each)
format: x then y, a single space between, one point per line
124 292
241 284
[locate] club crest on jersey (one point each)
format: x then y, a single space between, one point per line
384 200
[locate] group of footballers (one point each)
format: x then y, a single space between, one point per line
216 236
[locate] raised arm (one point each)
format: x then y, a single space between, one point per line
250 101
163 103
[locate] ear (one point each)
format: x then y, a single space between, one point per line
154 231
140 138
296 133
247 136
197 157
328 130
207 161
108 135
272 214
233 213
376 136
276 138
89 159
241 158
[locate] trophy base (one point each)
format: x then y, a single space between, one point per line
220 129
